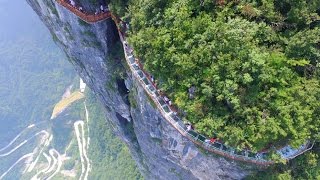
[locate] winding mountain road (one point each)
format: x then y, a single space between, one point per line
47 142
35 177
14 139
82 150
57 161
23 143
22 158
85 148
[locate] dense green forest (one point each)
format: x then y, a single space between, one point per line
254 65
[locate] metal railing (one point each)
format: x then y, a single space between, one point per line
89 18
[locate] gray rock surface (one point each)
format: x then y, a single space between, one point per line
159 150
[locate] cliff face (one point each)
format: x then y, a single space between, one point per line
159 150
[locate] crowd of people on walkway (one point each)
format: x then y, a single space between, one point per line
190 127
101 9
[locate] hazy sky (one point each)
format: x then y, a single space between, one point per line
18 20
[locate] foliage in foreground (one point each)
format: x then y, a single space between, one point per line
255 65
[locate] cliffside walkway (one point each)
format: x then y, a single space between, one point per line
89 18
169 113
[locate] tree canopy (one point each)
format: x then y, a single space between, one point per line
255 65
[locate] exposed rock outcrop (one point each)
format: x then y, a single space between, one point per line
159 150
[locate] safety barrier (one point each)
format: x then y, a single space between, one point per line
170 115
89 18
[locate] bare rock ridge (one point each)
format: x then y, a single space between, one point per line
159 150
